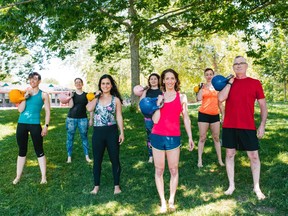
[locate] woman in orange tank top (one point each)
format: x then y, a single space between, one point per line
208 116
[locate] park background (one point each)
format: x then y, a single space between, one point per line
130 40
200 191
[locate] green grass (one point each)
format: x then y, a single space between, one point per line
200 191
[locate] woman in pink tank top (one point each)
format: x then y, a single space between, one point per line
165 136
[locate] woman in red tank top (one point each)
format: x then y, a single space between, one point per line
165 136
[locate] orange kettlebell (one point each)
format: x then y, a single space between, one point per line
16 96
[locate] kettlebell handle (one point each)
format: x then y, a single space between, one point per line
156 107
145 88
229 77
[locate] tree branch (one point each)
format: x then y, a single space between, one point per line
116 18
173 12
167 25
221 59
163 19
16 3
264 5
192 35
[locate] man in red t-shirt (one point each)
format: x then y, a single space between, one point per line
239 130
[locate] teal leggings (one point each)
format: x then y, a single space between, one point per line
71 125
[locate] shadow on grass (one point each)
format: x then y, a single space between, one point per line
200 191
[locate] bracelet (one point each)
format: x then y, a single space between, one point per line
229 83
27 96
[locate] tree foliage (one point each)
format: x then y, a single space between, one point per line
128 27
191 59
273 60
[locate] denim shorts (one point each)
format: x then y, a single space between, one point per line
165 143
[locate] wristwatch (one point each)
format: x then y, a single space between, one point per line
47 125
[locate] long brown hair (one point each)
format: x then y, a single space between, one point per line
177 84
158 78
114 90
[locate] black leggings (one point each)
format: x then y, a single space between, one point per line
106 137
22 138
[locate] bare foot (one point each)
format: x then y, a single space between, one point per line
16 180
163 209
171 206
221 163
95 190
88 160
150 160
229 191
200 164
43 181
259 194
117 190
69 160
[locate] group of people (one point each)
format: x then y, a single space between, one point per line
163 127
105 117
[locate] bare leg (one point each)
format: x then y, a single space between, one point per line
20 165
203 128
215 129
255 168
42 165
173 162
95 190
159 163
230 155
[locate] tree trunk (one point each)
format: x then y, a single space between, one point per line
215 63
135 67
285 90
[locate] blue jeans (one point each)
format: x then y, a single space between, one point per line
71 126
149 125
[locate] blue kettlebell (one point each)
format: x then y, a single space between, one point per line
148 106
219 81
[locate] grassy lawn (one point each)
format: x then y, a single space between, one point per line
200 191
